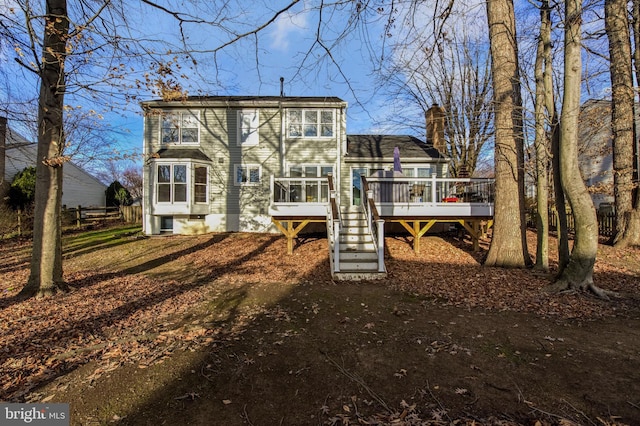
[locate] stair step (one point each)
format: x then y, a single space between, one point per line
354 229
346 256
355 238
352 246
358 266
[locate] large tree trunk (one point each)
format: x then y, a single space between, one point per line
578 275
46 261
622 123
509 244
541 149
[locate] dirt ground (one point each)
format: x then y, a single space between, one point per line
226 329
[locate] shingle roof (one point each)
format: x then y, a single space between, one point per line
381 147
182 154
298 101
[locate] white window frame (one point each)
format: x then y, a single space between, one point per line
206 184
249 168
304 114
322 194
179 120
248 127
414 170
171 183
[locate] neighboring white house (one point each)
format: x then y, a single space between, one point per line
79 188
595 154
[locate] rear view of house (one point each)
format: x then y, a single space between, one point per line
279 164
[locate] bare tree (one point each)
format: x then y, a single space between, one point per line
508 245
46 261
456 75
578 274
622 123
543 57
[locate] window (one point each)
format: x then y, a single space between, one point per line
248 123
247 174
310 123
313 191
172 183
200 184
421 172
180 128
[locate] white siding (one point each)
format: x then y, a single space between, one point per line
78 186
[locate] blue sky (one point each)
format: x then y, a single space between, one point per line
283 49
244 69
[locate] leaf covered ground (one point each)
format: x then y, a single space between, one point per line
227 329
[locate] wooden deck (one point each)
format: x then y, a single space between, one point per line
415 203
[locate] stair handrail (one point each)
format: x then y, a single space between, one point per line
333 225
375 223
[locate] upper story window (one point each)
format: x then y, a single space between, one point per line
180 127
311 123
248 123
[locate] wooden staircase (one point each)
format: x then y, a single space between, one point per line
358 258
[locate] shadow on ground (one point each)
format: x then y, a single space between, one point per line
273 340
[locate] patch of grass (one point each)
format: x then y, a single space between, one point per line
103 238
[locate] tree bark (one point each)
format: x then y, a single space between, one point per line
46 262
508 245
578 275
622 122
540 143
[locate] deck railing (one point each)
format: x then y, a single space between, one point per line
375 223
333 226
431 190
300 190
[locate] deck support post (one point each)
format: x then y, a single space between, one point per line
416 230
473 227
290 231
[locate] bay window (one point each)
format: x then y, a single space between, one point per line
173 181
200 183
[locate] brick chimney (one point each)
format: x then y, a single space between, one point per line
4 186
435 128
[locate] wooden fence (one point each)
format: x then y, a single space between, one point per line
606 222
83 215
80 216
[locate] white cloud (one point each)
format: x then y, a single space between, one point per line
287 27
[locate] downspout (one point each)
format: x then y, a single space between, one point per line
145 171
341 145
282 128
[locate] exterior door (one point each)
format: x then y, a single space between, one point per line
356 183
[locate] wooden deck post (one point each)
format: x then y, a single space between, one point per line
290 231
416 230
